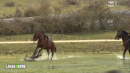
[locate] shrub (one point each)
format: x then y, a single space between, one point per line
71 2
44 9
98 14
125 3
18 13
8 30
30 12
9 4
91 18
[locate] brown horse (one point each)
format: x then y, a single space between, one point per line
43 44
125 39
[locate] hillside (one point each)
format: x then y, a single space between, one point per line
8 7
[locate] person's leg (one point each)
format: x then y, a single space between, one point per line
48 41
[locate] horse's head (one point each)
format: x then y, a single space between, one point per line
121 33
37 35
118 35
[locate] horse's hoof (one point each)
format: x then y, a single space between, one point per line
33 57
36 57
123 59
40 55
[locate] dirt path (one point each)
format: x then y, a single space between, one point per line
61 41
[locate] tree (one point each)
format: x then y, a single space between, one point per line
99 13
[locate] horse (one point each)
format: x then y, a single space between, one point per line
126 40
43 44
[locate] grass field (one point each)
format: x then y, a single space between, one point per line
91 57
106 47
72 36
70 58
68 63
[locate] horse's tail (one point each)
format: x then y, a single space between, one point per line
129 45
55 49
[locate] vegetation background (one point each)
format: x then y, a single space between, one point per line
62 16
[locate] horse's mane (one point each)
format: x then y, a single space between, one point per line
42 32
125 32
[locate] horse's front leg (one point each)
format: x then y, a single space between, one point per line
124 53
33 56
38 53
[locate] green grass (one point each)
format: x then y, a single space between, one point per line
91 57
102 47
24 4
72 36
77 63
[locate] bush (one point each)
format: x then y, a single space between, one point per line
30 12
18 13
71 2
98 14
44 9
125 3
10 4
90 18
9 30
94 17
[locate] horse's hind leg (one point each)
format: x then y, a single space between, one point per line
52 55
124 53
48 52
52 51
